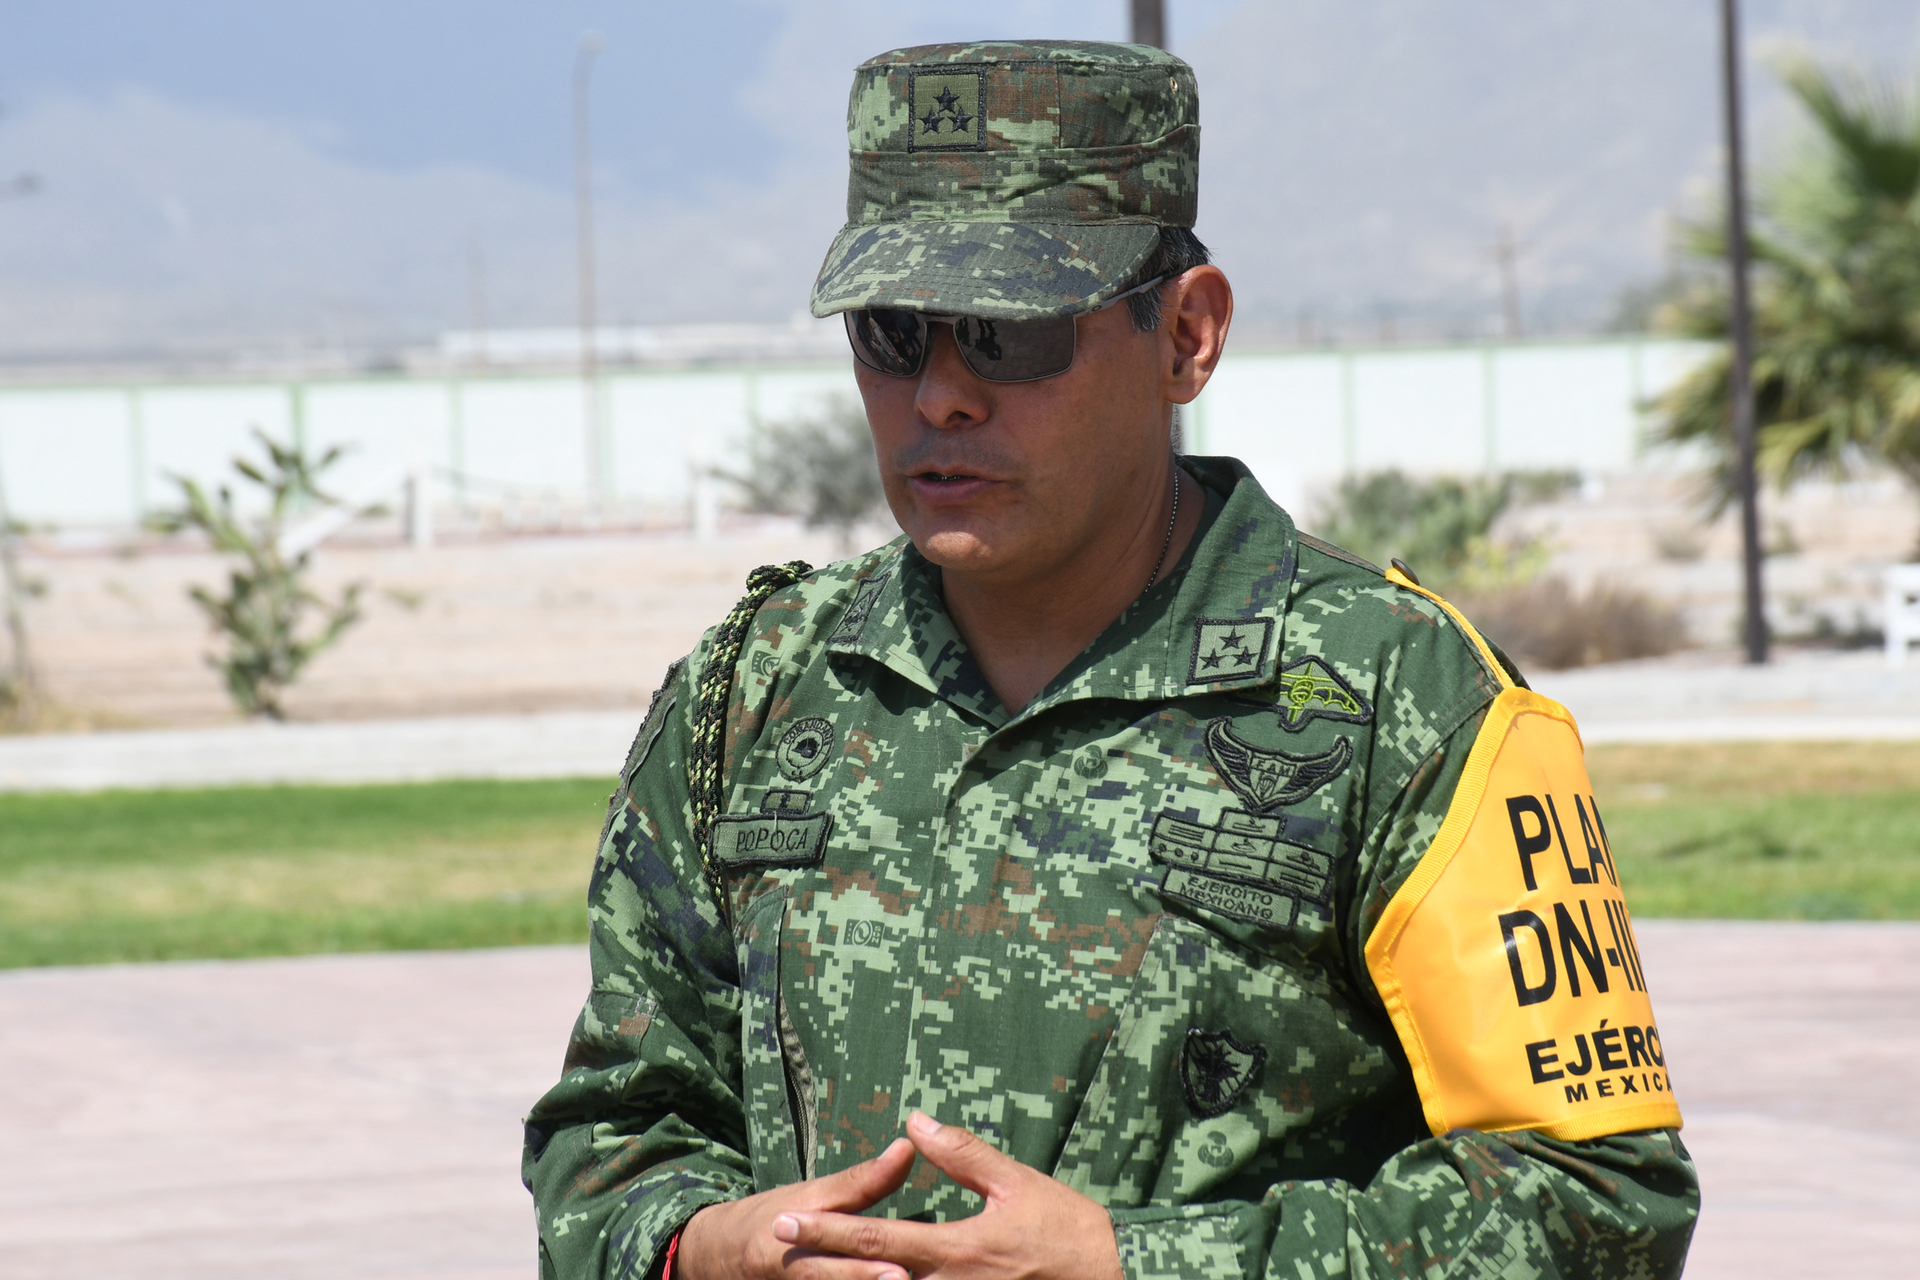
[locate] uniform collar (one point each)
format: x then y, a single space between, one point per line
1212 627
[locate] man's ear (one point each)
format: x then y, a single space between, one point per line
1195 311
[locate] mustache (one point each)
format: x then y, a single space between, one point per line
951 456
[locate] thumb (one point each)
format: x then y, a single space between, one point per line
863 1185
961 1154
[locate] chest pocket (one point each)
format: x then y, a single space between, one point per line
1226 1073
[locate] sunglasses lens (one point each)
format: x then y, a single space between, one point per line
1015 350
889 340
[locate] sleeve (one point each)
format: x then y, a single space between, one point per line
646 1125
1494 1191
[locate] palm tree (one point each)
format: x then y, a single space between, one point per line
1836 251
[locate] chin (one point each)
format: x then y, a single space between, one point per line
950 548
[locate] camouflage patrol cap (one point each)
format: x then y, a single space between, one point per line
1012 179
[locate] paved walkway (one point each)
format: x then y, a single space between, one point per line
354 1118
554 745
1689 698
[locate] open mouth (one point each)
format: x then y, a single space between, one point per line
947 487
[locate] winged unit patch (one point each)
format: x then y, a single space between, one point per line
1269 779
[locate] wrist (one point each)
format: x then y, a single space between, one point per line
685 1249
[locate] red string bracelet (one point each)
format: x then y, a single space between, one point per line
673 1249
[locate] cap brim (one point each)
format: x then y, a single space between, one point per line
1000 270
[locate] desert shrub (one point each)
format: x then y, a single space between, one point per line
262 611
1440 525
818 466
1545 624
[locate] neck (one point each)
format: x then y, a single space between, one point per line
1024 633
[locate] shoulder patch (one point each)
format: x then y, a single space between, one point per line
1309 689
1507 960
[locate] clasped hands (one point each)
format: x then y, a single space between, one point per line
1032 1227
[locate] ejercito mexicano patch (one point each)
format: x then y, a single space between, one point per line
1507 960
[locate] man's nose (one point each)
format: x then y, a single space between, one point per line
950 394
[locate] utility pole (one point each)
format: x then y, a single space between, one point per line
477 297
583 195
1741 322
1507 253
1150 23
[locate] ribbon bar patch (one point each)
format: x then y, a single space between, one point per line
781 839
1240 867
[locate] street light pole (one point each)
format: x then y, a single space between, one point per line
583 195
1741 323
1150 23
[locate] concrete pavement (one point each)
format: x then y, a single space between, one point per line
336 1118
551 745
354 1117
1692 697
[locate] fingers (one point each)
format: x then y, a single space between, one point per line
962 1155
865 1184
906 1246
802 1264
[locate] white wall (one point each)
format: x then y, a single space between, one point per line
101 455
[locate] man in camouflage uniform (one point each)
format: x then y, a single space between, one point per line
1189 892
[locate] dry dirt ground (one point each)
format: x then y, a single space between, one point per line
501 625
492 624
355 1117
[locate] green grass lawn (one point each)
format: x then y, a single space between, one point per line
252 871
1786 831
1774 831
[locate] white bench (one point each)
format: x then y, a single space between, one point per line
1902 612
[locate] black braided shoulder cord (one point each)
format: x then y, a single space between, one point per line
706 783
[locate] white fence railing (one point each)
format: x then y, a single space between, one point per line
1902 612
100 454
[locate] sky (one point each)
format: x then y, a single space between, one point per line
217 175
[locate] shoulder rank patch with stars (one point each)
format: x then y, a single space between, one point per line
1228 649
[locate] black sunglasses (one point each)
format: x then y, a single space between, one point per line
895 342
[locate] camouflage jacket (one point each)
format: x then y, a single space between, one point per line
1121 934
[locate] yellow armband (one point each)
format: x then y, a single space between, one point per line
1507 960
